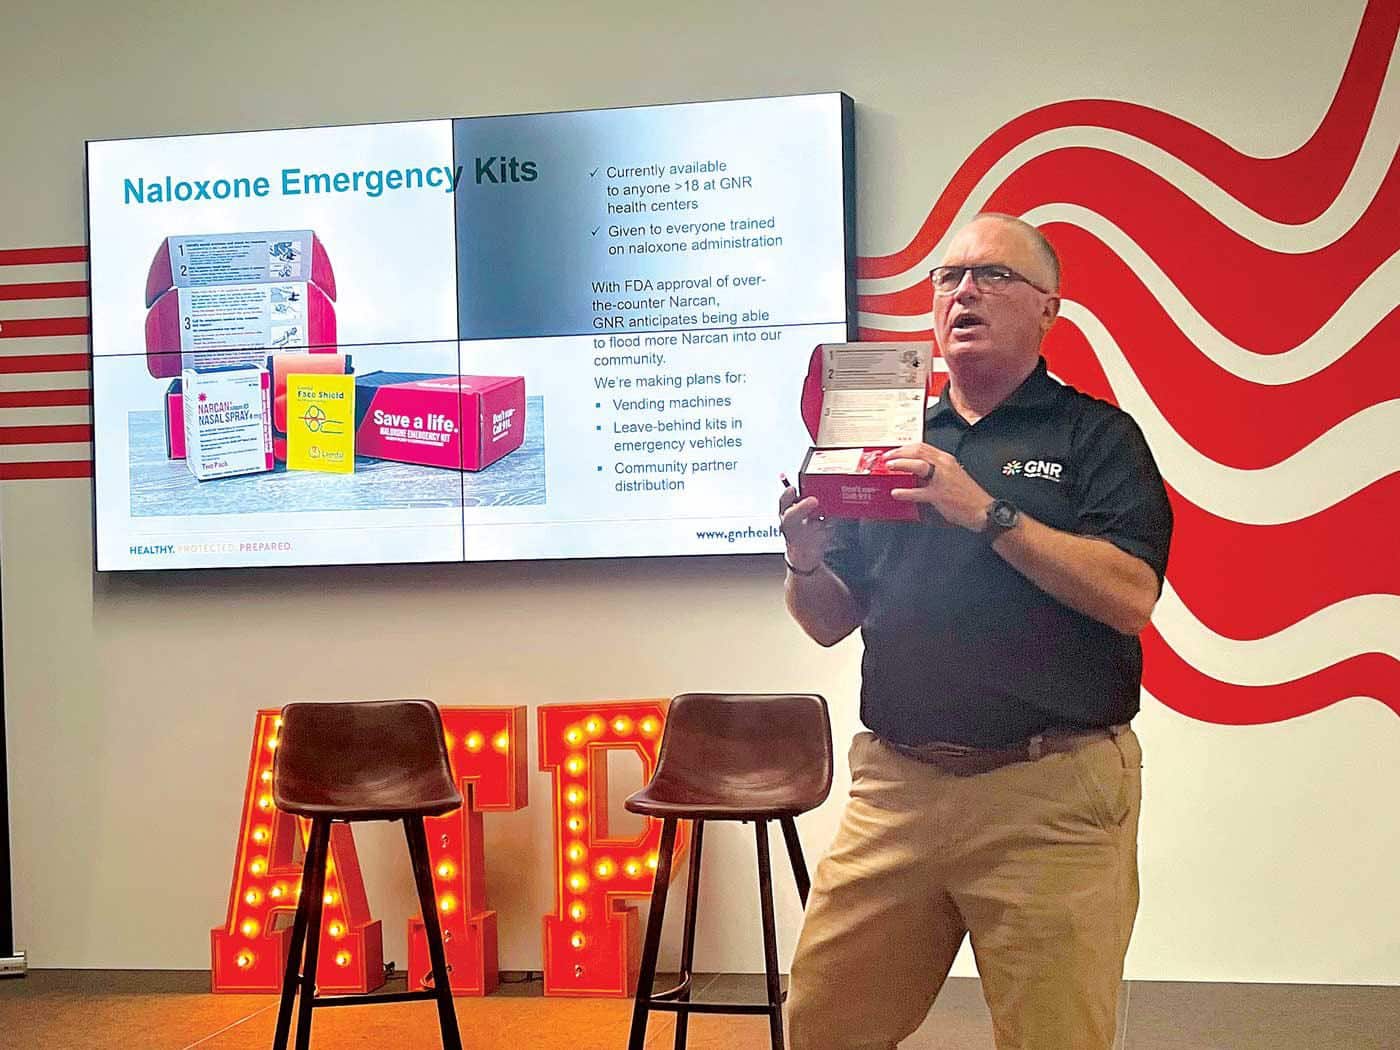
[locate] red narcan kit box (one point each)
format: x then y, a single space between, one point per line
855 483
459 422
859 401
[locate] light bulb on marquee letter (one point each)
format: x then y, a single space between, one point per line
592 938
248 951
488 762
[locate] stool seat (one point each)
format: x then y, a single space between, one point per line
739 756
368 760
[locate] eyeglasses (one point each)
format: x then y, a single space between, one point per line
990 280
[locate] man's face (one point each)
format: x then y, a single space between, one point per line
999 330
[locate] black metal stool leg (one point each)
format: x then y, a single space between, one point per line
799 866
313 883
291 974
770 936
692 897
432 928
641 1004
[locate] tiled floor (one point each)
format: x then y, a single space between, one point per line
155 1010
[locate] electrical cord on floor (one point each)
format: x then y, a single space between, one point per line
517 976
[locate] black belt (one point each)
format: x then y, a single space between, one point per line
964 760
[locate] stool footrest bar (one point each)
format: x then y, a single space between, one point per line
713 1008
372 999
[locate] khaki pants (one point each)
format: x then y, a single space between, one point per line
1036 860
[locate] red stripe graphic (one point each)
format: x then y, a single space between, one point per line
1251 581
1179 685
39 327
74 253
45 435
46 290
27 364
44 398
65 468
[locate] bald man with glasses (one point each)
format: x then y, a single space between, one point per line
995 792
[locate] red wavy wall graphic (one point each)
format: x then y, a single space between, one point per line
1247 312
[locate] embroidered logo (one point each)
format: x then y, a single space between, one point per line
1047 469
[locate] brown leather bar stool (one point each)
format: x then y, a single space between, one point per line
367 760
729 756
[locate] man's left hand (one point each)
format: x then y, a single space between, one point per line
947 488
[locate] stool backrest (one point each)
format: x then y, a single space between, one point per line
756 741
360 756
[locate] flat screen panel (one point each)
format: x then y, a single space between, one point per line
551 335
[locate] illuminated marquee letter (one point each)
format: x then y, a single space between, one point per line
592 940
487 748
249 950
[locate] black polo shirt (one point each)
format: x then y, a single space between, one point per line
961 647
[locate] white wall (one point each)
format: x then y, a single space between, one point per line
1264 849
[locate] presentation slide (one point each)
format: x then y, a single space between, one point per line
521 337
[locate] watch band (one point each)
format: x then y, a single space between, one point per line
800 572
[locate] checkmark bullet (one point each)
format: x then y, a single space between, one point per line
595 231
592 173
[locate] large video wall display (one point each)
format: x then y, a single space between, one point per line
561 335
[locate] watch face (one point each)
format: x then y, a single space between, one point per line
1003 514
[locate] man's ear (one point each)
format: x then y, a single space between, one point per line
1048 313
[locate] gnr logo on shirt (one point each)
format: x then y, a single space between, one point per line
1034 468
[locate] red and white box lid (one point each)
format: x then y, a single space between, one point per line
859 401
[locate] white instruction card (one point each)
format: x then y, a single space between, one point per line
873 394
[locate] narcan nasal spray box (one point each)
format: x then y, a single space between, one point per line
228 421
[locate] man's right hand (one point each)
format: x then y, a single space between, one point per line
819 601
807 533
